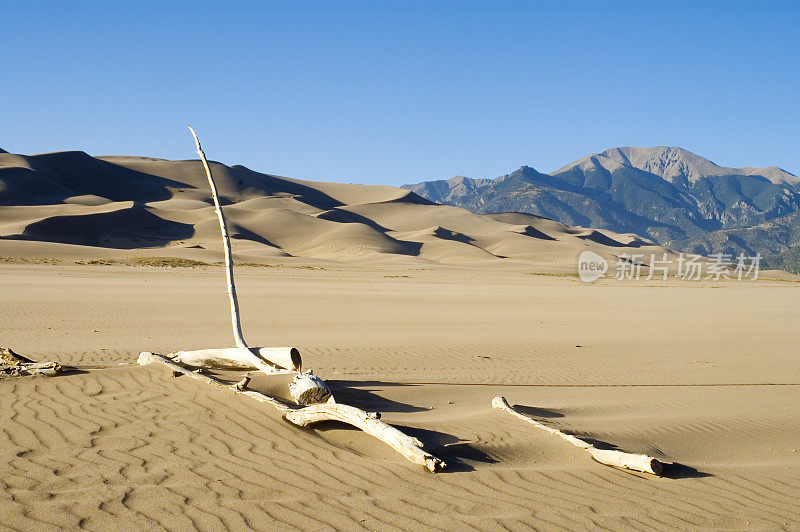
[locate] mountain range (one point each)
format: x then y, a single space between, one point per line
670 195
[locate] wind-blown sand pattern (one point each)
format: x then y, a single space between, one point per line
704 374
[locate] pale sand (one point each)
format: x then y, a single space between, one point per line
703 374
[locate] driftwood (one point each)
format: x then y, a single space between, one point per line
620 459
45 369
409 447
305 388
14 365
266 359
308 389
285 359
226 245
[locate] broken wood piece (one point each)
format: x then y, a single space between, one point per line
409 447
242 384
619 459
308 389
45 369
16 365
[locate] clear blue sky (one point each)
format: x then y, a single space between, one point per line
399 92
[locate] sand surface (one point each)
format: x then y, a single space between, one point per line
703 374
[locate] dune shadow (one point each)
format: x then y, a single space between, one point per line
677 471
361 394
456 453
535 233
537 412
600 238
67 370
125 228
343 216
270 184
53 177
447 234
240 233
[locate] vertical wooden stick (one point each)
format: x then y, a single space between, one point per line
226 246
313 388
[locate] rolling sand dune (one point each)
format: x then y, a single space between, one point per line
419 311
138 205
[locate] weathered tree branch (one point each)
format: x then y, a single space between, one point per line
620 459
409 447
305 387
226 246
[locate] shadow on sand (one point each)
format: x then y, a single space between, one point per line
361 394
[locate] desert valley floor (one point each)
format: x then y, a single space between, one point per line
705 374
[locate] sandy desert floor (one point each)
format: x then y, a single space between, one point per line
703 374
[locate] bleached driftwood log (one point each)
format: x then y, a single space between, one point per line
620 459
409 447
14 365
287 358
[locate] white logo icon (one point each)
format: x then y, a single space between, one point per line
591 266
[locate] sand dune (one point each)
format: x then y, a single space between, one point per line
131 205
702 374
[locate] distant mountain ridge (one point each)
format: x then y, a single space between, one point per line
671 195
675 164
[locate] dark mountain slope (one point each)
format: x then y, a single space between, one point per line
673 196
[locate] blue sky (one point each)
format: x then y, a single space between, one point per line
400 92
